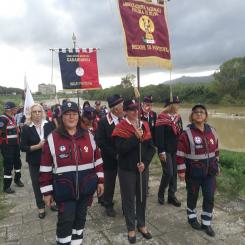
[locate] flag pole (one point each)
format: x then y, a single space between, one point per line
74 40
52 66
170 85
139 108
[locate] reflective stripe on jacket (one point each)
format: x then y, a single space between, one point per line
195 146
9 132
67 155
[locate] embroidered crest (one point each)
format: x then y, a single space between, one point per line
63 155
211 141
197 140
62 148
69 104
85 148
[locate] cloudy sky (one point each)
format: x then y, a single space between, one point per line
203 35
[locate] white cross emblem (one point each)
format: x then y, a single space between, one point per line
62 148
198 140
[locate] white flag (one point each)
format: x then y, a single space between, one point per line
28 101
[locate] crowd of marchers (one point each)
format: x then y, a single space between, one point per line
75 152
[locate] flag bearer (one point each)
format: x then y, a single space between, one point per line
128 136
197 159
9 142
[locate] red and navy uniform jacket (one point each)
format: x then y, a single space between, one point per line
198 152
69 157
9 132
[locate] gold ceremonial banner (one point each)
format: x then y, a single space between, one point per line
146 33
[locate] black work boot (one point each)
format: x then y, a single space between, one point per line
174 201
110 212
208 229
101 201
9 190
195 224
19 183
161 200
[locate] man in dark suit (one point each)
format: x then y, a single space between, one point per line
108 151
148 115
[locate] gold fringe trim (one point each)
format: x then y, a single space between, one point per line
150 62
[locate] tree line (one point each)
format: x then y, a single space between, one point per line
9 91
227 88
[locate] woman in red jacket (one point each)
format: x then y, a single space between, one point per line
70 172
197 159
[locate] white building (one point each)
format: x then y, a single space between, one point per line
46 88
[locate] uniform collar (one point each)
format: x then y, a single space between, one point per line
10 117
114 118
42 123
131 123
111 118
206 127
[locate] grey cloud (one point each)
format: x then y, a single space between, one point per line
203 33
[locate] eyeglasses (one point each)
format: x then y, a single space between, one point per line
36 112
199 112
71 114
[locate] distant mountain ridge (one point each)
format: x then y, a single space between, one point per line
187 79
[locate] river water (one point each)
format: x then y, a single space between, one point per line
228 121
231 130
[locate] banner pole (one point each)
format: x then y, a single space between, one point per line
139 109
52 70
78 101
52 65
171 87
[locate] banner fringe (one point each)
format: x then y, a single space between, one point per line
149 62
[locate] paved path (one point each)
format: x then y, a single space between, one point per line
167 223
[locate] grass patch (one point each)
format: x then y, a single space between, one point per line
2 206
1 173
231 182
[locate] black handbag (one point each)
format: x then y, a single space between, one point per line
88 181
198 169
64 187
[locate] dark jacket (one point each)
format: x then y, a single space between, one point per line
105 142
151 119
166 140
29 137
128 151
